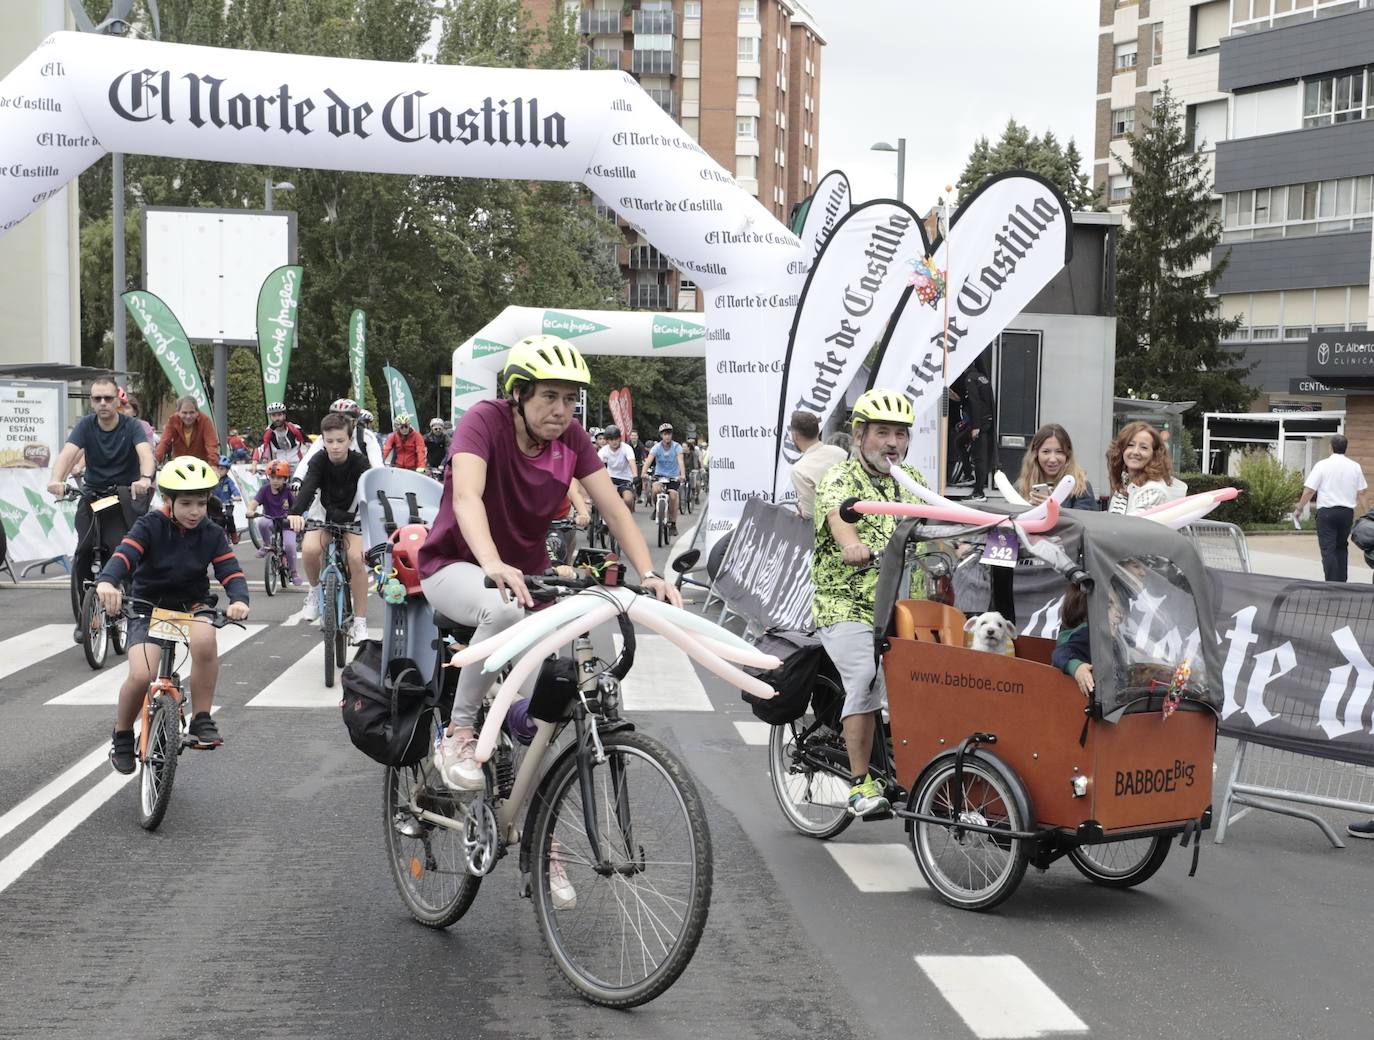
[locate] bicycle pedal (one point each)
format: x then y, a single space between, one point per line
872 817
196 745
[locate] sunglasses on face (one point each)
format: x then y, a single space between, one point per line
102 398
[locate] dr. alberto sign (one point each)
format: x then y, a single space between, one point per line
1341 358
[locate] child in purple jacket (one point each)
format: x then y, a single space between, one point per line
275 499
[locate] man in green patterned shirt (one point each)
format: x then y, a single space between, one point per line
843 605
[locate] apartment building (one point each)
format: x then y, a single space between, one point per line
1277 95
741 76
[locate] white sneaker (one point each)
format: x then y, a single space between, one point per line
311 612
357 632
461 770
437 755
561 891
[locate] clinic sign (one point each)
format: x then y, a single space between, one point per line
1339 358
32 422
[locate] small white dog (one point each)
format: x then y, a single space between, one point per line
990 633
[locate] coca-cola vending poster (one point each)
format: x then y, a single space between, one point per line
32 422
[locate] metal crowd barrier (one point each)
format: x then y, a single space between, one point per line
1263 777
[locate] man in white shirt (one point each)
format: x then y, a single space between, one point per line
619 459
1338 484
816 459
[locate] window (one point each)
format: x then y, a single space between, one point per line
748 10
1157 43
1297 331
1334 99
1119 186
653 42
691 9
748 87
1206 124
748 48
1294 210
1123 121
746 167
747 128
1264 332
1207 24
1125 56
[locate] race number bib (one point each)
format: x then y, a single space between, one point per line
1001 548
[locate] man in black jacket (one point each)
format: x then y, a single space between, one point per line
980 406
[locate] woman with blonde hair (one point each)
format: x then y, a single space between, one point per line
1139 468
1049 458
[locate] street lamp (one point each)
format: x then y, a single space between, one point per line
270 187
883 146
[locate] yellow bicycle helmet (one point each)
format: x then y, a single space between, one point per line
537 358
186 473
883 406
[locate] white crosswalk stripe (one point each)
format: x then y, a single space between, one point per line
888 867
301 685
662 678
755 734
1000 998
103 686
20 652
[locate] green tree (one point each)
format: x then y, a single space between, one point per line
1168 329
661 390
1062 166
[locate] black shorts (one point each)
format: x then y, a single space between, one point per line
623 485
669 483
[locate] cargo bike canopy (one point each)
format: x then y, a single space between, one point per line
1150 603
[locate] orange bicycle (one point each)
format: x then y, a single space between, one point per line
162 721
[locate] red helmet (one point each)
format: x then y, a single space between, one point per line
279 468
405 555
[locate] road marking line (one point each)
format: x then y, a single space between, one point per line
103 687
1000 998
51 790
301 685
662 678
755 734
20 652
52 832
887 867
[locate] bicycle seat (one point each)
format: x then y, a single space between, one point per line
447 626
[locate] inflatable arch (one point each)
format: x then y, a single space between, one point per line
82 95
625 333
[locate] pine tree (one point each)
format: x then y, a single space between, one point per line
1168 328
1018 150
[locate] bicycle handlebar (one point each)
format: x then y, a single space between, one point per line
206 615
332 528
548 587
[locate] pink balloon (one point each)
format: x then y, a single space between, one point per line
1215 497
724 669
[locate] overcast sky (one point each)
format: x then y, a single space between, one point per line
944 74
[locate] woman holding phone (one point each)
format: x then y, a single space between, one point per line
1049 458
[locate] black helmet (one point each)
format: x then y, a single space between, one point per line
611 433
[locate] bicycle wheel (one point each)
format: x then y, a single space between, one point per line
269 574
254 533
76 584
1121 864
814 801
427 860
971 870
95 639
160 762
329 621
118 628
629 931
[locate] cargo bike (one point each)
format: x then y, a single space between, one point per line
995 762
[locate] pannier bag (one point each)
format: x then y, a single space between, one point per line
1362 534
390 716
802 657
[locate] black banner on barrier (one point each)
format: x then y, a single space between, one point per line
766 576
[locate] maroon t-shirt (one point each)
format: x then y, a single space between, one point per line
522 493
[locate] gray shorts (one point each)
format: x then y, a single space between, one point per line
850 646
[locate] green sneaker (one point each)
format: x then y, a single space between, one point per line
866 799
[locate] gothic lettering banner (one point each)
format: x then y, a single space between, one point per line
766 574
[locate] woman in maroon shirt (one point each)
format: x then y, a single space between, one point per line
511 463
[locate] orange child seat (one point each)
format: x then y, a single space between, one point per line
928 622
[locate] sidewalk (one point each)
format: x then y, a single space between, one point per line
1297 556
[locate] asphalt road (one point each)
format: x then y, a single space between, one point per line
263 906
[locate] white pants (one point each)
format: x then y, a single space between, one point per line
459 592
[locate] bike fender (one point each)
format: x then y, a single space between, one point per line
987 758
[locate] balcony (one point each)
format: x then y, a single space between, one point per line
654 63
599 23
656 22
665 99
651 297
601 58
647 258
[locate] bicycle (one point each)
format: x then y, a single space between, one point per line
162 720
276 573
615 812
336 595
99 632
561 541
686 493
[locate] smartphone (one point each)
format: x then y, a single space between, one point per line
1040 489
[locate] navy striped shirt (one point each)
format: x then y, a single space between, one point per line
169 563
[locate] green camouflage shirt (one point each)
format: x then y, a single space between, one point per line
845 593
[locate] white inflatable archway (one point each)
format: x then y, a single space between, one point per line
82 95
623 333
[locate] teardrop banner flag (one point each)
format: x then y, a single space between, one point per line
617 403
402 400
1006 242
357 352
853 289
823 211
164 334
278 308
629 410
